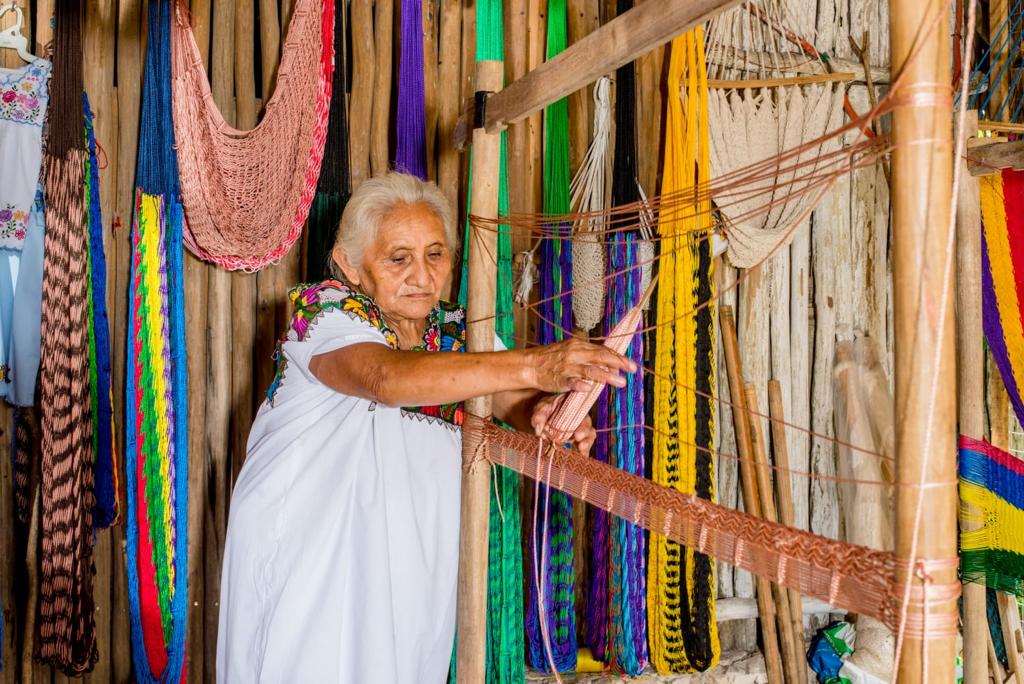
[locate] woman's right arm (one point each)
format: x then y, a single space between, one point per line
415 378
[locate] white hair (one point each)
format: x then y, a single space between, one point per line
374 200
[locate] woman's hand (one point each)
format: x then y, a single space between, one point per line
574 365
584 436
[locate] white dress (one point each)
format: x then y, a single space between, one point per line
341 557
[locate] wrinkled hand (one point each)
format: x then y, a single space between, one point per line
584 436
576 365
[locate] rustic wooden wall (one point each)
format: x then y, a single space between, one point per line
830 285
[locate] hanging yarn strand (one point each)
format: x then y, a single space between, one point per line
411 116
333 185
683 630
248 193
551 614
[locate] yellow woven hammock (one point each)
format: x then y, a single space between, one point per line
247 193
681 580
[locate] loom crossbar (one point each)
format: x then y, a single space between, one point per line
850 577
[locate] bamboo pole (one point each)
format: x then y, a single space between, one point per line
243 285
130 45
268 283
449 70
430 84
218 383
472 605
380 123
363 77
766 609
536 48
1009 621
784 490
790 653
923 323
971 390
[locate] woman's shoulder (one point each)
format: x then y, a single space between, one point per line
311 301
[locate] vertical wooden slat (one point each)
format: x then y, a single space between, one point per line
797 441
9 58
363 78
449 74
581 18
536 49
519 181
430 82
380 124
267 280
243 285
220 320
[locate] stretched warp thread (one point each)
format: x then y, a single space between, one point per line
333 185
106 511
627 572
554 324
992 498
856 578
505 645
411 114
66 617
247 193
156 410
681 598
1002 277
588 262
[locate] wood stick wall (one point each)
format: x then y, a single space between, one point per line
831 284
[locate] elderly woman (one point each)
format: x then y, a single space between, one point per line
341 555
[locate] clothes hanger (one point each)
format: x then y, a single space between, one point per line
11 37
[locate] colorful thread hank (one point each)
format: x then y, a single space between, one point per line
1002 277
105 481
156 391
992 503
681 618
555 323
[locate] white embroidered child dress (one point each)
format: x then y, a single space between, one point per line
23 98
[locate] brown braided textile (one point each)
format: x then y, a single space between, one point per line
26 459
854 578
66 622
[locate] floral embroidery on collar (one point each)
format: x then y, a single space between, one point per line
446 331
23 93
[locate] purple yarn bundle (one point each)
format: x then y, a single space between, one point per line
411 117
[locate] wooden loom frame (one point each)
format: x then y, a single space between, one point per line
922 174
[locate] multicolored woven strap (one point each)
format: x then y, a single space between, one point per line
992 516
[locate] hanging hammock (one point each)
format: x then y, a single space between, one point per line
550 609
66 613
247 193
156 384
681 581
752 125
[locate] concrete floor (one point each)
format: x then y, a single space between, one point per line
733 668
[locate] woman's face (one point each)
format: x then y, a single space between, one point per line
407 267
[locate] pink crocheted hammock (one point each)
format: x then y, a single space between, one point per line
247 193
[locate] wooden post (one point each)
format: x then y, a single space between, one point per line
472 608
971 389
363 76
766 609
784 489
922 162
791 659
383 30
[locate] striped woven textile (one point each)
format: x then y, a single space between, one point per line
1002 277
992 508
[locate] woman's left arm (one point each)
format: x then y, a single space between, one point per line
529 411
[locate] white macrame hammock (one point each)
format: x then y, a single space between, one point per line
750 125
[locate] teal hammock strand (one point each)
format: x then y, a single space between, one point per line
505 647
554 325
